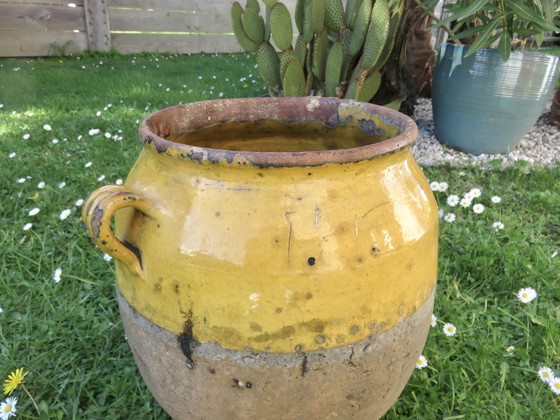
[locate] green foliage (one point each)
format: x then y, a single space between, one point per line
509 22
69 336
471 375
339 51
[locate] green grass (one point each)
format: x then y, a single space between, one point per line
68 334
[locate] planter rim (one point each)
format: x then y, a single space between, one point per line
496 51
199 115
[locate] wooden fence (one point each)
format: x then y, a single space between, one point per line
49 27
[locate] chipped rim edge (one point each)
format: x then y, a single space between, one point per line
199 115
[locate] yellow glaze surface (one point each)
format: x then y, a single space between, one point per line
279 259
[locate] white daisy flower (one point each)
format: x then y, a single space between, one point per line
546 374
101 178
449 329
47 127
450 217
496 199
21 180
12 155
434 321
440 213
93 131
26 136
443 186
475 192
57 275
107 135
1 310
510 350
119 181
434 186
554 385
98 113
88 164
41 185
107 257
64 214
497 226
54 141
8 408
478 208
469 196
527 294
79 202
453 200
422 362
465 202
62 185
554 254
27 226
34 211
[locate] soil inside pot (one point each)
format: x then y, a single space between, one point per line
278 136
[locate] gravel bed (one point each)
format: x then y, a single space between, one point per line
541 146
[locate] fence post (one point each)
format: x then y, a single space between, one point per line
97 25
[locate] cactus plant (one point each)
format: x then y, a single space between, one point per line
338 52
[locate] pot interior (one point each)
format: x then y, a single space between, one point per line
279 136
279 132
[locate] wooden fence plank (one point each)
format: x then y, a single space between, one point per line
61 3
97 24
135 43
169 4
41 18
30 27
188 5
162 21
35 44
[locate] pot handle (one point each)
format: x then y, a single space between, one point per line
97 212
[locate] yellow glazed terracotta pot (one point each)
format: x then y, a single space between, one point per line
276 257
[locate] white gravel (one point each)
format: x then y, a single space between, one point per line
541 146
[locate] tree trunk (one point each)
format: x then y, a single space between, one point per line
407 74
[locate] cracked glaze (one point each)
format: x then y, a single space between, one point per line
258 250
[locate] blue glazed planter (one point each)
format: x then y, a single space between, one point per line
482 104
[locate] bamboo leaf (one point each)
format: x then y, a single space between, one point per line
427 6
482 40
530 15
505 45
467 33
462 12
548 10
525 31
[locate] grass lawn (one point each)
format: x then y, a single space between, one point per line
69 125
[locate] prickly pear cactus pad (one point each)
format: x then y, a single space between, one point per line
337 52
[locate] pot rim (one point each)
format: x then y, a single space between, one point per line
489 50
204 114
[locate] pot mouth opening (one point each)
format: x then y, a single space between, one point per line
303 131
